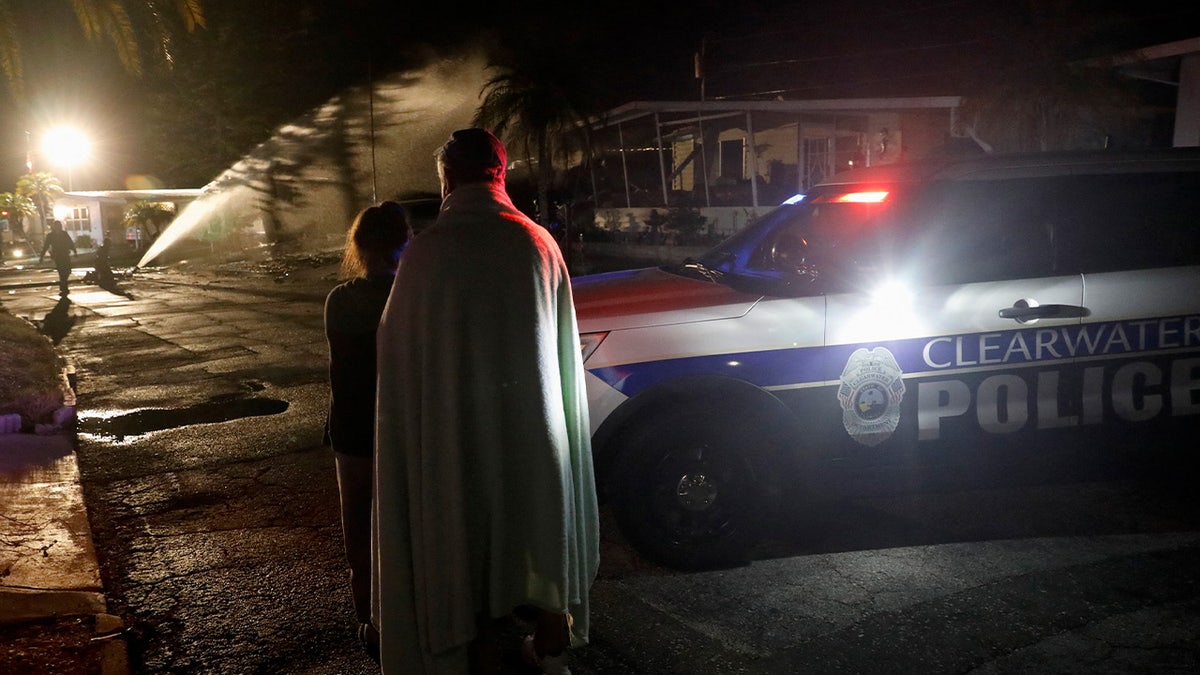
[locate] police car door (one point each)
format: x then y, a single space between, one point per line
951 348
1133 235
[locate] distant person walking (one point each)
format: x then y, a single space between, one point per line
352 309
61 246
485 498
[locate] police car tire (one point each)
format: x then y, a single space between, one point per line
665 478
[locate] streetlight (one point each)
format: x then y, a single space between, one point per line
66 146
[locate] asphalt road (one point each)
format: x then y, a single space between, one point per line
214 509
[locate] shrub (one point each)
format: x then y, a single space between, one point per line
689 226
31 381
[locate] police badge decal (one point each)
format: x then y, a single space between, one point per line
870 395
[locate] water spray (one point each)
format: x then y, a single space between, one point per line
421 108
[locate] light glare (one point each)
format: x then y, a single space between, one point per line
66 146
893 294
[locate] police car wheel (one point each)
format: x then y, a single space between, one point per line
687 495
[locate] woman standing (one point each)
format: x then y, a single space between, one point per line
352 310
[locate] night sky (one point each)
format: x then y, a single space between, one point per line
634 50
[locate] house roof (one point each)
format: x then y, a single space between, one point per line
162 195
712 109
1156 63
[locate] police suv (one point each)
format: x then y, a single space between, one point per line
900 327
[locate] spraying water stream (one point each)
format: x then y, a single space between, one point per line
299 190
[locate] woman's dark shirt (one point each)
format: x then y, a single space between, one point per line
352 312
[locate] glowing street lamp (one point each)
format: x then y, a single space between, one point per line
66 146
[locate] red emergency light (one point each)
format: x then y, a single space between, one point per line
867 197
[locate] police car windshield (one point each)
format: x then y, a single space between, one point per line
731 254
823 234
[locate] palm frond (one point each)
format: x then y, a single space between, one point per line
116 24
192 13
118 20
88 13
10 52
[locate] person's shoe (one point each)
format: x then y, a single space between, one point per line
368 637
549 664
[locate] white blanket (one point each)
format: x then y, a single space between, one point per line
485 497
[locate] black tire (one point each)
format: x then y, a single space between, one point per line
688 494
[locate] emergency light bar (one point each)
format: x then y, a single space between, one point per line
873 197
856 197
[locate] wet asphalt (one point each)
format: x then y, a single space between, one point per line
214 512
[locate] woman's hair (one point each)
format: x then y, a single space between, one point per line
375 240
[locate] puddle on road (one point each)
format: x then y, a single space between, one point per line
118 426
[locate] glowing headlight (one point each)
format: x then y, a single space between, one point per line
893 294
588 343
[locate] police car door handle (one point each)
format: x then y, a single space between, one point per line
1026 310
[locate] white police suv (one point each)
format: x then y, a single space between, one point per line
899 328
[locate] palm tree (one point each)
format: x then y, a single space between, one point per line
150 217
121 22
534 103
16 208
1040 93
43 189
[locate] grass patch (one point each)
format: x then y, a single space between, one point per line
30 371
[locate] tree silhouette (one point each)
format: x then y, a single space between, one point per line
535 103
43 189
150 217
1041 93
18 207
121 22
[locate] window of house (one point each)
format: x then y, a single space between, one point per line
77 220
733 159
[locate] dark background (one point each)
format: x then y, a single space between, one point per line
257 65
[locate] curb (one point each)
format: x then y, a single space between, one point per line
49 571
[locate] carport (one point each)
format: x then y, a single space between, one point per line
752 153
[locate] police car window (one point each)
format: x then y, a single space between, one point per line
825 240
975 231
1129 221
733 253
